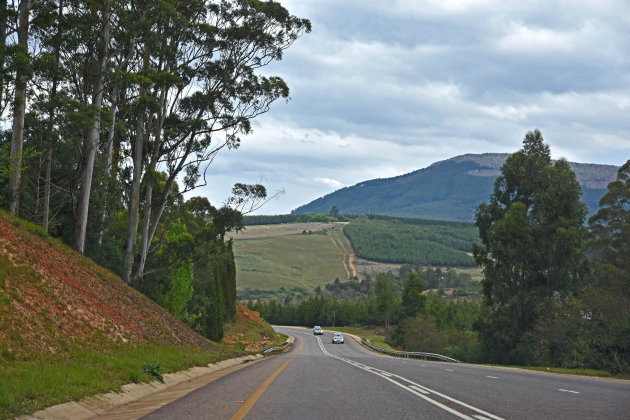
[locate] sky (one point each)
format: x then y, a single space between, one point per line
383 88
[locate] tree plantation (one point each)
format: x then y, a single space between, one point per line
112 110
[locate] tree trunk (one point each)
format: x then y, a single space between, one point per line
51 118
134 197
147 232
91 142
19 105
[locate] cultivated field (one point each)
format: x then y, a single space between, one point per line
304 255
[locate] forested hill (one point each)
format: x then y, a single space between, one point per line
447 190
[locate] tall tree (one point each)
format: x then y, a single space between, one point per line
218 49
22 69
90 145
606 302
531 233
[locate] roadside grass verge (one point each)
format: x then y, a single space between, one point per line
30 385
570 371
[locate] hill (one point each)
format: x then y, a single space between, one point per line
448 190
51 296
70 328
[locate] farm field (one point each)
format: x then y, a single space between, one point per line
272 256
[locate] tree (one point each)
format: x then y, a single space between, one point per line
531 233
198 96
334 211
606 302
22 69
412 298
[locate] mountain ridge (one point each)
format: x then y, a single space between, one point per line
450 189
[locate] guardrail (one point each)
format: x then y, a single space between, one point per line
419 354
276 348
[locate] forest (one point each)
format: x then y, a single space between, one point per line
111 113
412 241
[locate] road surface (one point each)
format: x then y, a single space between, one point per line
319 380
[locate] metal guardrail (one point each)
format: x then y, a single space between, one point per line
419 354
276 348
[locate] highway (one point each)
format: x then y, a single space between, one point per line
321 380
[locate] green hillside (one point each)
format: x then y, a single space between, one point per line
303 260
447 190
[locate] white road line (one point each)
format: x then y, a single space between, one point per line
414 388
492 377
417 388
568 390
450 370
480 417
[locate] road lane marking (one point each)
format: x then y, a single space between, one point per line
492 377
414 388
568 390
478 417
242 412
450 370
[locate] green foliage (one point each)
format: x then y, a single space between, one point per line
531 233
153 370
419 241
250 220
606 302
413 300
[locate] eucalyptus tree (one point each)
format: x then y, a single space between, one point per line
198 90
606 302
5 74
531 233
22 69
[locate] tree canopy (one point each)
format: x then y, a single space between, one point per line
531 236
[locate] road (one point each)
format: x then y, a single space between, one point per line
319 380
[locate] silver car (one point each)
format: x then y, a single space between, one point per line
318 330
337 338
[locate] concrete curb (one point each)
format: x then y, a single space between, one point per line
99 405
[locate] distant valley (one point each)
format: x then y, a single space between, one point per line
447 190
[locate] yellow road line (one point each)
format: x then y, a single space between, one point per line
242 412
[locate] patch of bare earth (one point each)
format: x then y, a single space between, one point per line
70 298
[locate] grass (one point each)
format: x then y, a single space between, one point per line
298 260
30 385
571 371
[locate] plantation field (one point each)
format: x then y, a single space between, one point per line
302 256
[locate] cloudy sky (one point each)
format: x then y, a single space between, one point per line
383 88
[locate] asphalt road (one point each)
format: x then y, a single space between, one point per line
319 380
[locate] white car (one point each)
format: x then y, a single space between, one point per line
337 338
318 330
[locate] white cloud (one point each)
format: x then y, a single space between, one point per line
383 88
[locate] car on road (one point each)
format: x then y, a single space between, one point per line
337 338
318 330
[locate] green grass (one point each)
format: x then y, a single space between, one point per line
30 385
374 336
302 260
571 371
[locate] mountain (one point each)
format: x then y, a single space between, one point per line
447 190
